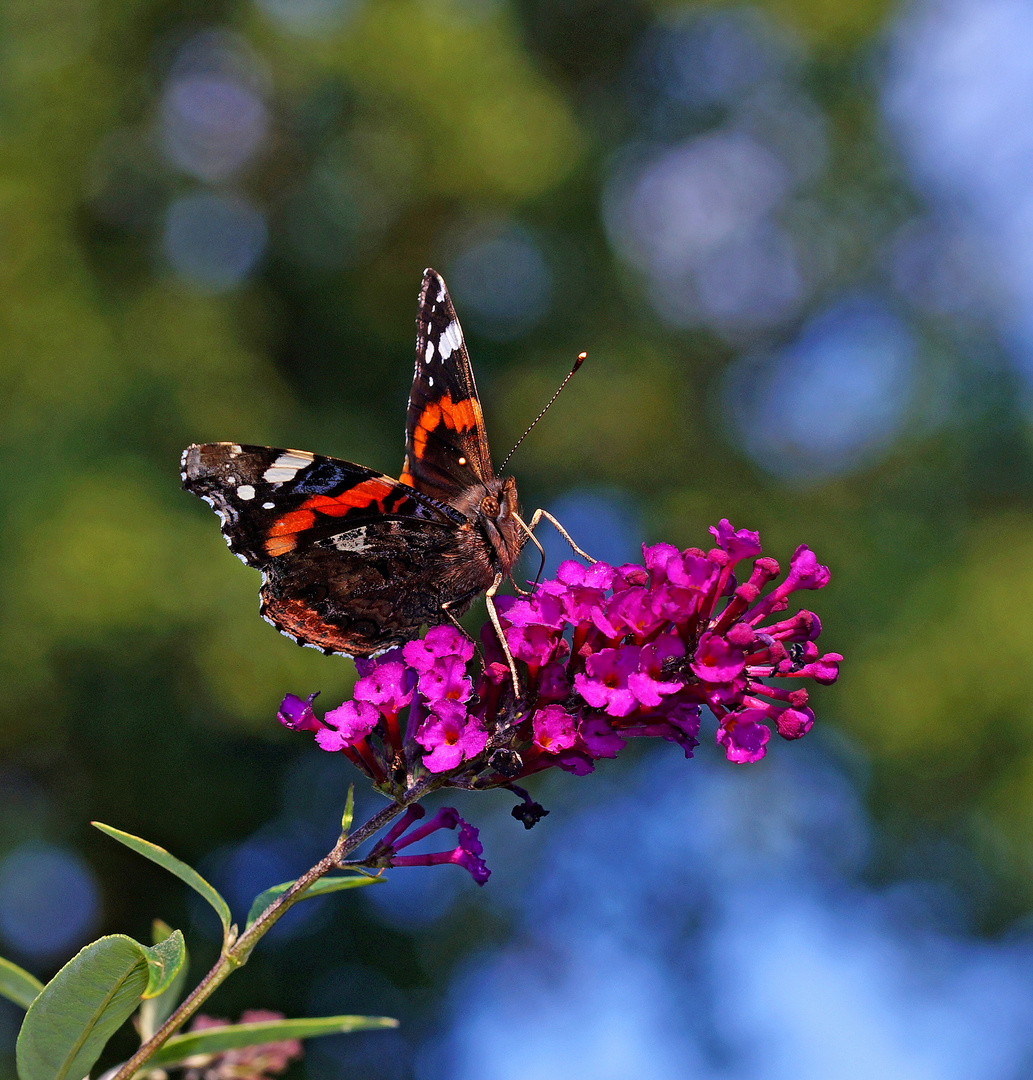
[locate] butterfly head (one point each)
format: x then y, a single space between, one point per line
493 508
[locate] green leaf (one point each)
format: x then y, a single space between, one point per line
164 959
156 1010
349 811
214 1040
82 1006
321 887
18 985
174 866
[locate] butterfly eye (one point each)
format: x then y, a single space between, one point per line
490 506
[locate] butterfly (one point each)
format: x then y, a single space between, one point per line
354 561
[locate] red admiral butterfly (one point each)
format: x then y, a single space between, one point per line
353 561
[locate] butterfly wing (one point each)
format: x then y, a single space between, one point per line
352 561
446 448
272 501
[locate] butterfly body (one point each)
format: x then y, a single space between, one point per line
354 561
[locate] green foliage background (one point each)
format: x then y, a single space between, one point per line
139 685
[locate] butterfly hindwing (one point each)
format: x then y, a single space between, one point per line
446 446
362 591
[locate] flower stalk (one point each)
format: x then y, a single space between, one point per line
237 950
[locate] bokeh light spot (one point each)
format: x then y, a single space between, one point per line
49 900
214 239
695 219
502 281
831 401
212 125
708 59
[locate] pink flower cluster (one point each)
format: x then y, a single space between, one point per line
605 654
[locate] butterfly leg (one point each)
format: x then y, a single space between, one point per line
541 551
539 514
494 616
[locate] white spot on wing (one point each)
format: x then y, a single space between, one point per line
430 380
235 450
428 353
245 492
268 506
451 340
353 540
287 466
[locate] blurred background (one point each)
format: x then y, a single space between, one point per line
796 239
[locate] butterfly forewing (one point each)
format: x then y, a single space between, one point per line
273 501
445 444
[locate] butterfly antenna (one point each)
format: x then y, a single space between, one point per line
581 358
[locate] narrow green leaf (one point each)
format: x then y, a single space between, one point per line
82 1006
156 1010
320 888
164 959
349 811
214 1040
174 866
17 985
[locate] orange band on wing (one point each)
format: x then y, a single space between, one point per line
357 497
456 416
282 532
282 536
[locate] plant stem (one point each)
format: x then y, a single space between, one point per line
236 955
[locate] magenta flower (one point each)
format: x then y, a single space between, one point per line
682 721
347 725
794 723
635 611
553 682
534 643
450 736
743 736
545 609
604 683
649 683
446 681
554 729
467 853
423 653
717 660
739 545
582 590
296 713
389 685
599 739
